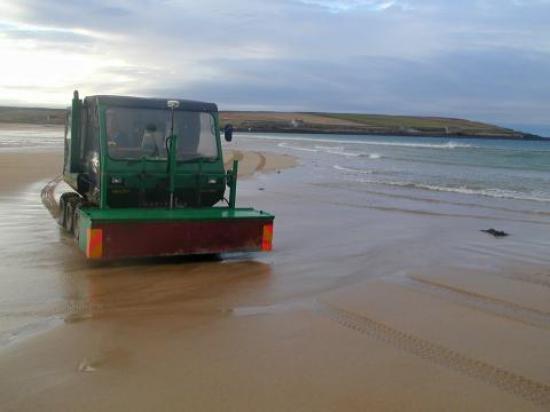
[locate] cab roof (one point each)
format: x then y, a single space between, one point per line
150 103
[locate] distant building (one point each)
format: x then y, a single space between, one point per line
297 123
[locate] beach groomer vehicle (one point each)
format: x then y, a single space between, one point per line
149 180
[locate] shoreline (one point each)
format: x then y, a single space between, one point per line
393 133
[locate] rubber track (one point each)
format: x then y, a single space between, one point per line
520 386
47 196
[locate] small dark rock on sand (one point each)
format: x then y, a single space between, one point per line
495 233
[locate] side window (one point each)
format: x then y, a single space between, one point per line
197 135
67 157
207 142
83 133
92 134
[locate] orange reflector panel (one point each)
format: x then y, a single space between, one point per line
94 248
267 238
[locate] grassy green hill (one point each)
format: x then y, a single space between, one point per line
31 115
285 122
355 123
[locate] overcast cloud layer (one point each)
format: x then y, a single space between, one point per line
481 59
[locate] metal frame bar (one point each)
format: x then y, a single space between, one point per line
103 159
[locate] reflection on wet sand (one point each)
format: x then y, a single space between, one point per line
164 286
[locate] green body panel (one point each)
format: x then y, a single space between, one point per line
74 160
104 166
143 215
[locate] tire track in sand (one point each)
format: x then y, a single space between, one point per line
494 306
518 385
240 156
540 279
233 155
262 162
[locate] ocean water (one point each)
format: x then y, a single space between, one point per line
497 169
30 137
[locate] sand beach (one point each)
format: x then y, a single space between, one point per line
370 300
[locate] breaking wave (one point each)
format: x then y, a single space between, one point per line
303 149
350 169
337 150
447 145
495 193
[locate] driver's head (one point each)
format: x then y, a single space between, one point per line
151 127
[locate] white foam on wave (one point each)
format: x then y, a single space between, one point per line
321 147
304 149
495 193
343 153
447 145
337 150
352 170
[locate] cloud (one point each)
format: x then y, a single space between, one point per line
339 6
456 83
486 59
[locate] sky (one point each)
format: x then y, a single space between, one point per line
486 60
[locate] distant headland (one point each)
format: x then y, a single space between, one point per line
313 122
366 124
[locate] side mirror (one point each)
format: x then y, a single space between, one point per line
228 132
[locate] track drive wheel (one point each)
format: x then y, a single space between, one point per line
62 206
76 221
68 211
69 216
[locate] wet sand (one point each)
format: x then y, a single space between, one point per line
359 307
22 169
251 162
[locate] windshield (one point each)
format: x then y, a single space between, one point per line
137 133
